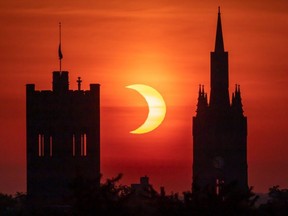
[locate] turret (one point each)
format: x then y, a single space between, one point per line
237 101
202 101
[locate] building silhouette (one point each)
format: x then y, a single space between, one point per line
219 129
63 139
143 186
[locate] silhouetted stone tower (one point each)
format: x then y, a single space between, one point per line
63 139
219 129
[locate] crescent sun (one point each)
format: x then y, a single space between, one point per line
156 105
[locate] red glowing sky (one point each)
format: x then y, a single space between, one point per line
164 44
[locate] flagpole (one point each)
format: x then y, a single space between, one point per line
60 54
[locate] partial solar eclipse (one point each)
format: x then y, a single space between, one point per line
156 105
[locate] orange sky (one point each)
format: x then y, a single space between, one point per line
164 44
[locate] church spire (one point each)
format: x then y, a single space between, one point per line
219 96
219 44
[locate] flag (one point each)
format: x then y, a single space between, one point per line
60 52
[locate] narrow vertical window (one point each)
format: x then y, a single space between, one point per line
217 186
73 145
40 145
51 145
84 145
81 145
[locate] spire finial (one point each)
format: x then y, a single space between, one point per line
219 43
60 32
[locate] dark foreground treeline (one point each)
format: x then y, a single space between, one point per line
112 198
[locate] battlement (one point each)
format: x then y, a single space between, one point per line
61 84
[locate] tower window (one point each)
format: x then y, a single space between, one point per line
41 145
73 145
83 145
51 145
219 184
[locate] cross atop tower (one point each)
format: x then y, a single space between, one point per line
79 83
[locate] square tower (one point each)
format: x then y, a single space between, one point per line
63 139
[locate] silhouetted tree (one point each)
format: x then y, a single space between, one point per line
113 199
13 205
108 199
277 204
230 201
7 203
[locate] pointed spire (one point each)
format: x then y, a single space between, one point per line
219 44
